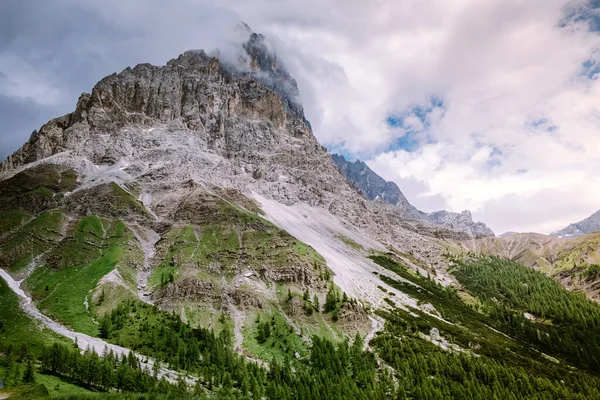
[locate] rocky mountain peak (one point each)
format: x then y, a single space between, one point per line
194 91
587 225
271 72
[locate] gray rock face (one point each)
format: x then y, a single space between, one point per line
374 187
462 222
587 225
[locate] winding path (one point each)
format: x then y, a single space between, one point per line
83 341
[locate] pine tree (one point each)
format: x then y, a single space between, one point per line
106 327
316 303
331 300
16 374
29 375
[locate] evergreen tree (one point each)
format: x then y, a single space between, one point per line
316 303
29 375
331 299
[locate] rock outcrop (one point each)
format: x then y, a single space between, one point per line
462 222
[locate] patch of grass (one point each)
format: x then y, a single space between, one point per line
12 218
238 198
82 246
579 251
206 317
54 178
159 273
305 250
68 288
16 328
282 343
61 292
42 191
592 272
107 297
351 243
218 243
59 387
151 331
121 199
20 247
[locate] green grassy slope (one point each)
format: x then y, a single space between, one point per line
75 267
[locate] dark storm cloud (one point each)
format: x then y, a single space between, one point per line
50 44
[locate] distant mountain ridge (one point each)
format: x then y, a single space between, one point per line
374 187
587 225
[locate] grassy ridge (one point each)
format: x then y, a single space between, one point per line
20 247
282 342
224 236
11 219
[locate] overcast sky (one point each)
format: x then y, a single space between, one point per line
487 105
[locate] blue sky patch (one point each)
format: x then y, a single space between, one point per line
590 69
542 124
588 12
411 138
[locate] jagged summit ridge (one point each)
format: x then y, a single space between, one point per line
180 94
374 187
